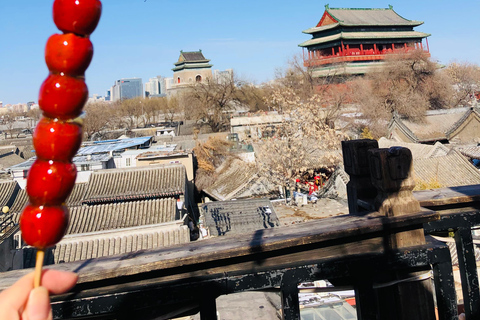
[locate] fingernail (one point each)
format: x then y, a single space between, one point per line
38 306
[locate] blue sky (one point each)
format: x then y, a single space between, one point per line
138 38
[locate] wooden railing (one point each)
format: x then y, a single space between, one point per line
382 254
351 55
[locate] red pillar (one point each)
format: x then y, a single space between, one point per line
361 48
343 49
426 40
375 48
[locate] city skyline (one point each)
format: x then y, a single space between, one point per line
137 39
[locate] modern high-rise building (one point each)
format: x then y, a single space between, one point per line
127 89
224 76
155 87
152 87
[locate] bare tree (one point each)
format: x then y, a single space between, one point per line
304 141
97 118
465 78
211 102
210 155
171 108
408 84
132 112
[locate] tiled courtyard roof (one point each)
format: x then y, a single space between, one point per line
75 199
77 195
237 179
8 192
435 126
9 158
121 215
20 201
85 219
239 216
419 151
470 151
116 242
137 183
450 171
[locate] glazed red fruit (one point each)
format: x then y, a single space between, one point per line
68 53
56 139
43 226
77 16
50 182
62 97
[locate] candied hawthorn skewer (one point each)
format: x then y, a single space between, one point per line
58 134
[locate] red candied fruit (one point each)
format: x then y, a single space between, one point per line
77 16
50 182
43 226
68 53
62 96
56 139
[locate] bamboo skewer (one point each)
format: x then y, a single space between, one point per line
38 268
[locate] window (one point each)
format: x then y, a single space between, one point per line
84 167
178 80
127 162
198 78
25 173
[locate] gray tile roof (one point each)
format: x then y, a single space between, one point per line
239 216
121 215
237 179
193 56
136 183
20 201
75 198
470 151
117 242
77 195
87 219
435 127
27 151
8 192
450 171
9 158
370 17
419 151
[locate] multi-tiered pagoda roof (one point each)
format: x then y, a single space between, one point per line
354 41
191 60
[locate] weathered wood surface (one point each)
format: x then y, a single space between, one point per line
447 196
253 246
153 296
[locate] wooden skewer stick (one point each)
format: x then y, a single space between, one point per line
38 268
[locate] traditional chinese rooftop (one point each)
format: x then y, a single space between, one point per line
333 17
360 38
191 60
136 183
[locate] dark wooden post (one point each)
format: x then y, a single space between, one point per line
390 171
208 307
290 301
468 272
360 190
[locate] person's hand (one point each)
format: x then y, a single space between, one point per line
22 302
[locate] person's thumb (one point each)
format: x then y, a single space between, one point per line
38 305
